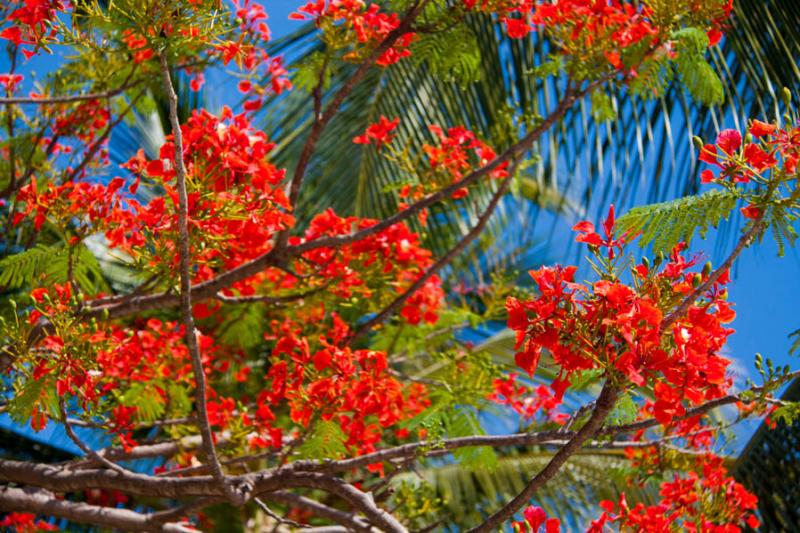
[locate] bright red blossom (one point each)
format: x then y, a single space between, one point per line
379 133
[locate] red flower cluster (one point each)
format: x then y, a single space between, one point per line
365 21
616 327
741 164
706 500
394 254
460 151
590 237
543 400
235 202
350 387
379 133
535 518
589 21
87 208
31 22
10 82
25 523
137 45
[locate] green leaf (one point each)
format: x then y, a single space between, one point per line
21 269
625 411
464 423
452 55
21 406
602 107
147 400
697 75
668 223
325 442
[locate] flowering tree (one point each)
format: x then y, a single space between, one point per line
270 361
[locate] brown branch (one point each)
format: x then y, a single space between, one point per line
350 521
256 298
70 98
93 455
451 254
63 479
186 280
603 406
45 503
278 518
360 501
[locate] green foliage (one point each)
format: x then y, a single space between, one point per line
780 220
147 400
668 223
417 503
452 55
326 441
307 72
625 411
602 107
788 413
465 423
20 408
52 264
243 326
795 347
21 269
697 75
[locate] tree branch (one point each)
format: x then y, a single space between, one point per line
70 98
350 521
45 503
321 119
186 280
605 402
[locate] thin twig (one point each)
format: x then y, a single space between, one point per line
278 518
70 98
93 455
186 281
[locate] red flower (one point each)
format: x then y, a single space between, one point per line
379 133
759 129
751 211
758 158
589 236
729 141
535 518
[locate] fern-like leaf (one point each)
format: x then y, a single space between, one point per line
697 75
452 55
325 442
21 269
668 223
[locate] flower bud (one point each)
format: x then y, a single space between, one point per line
707 269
